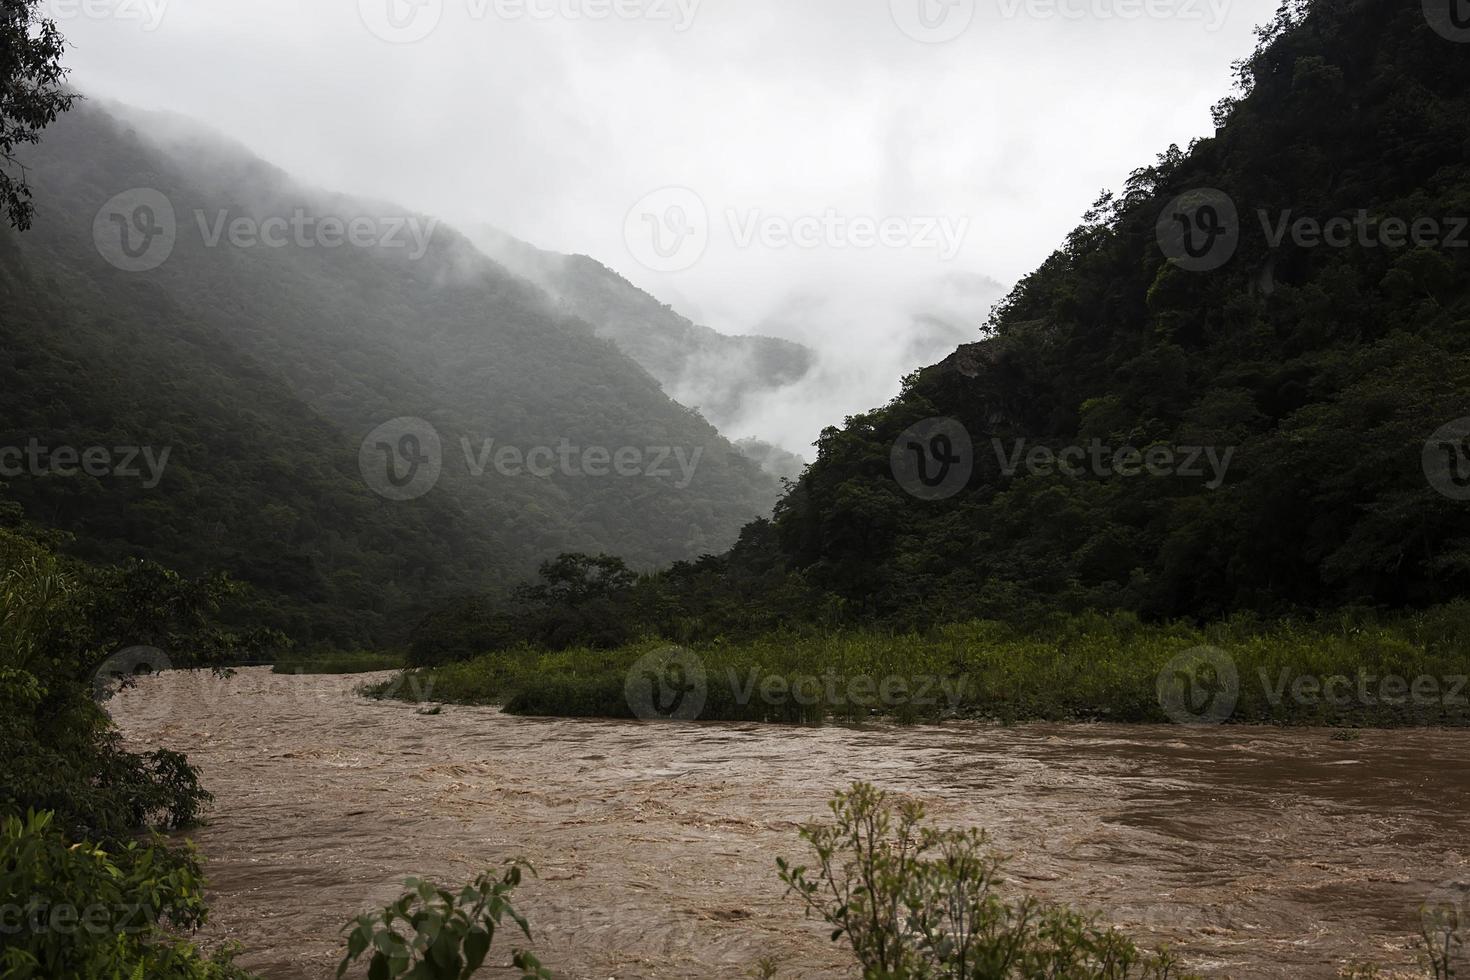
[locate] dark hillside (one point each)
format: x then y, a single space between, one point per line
1323 366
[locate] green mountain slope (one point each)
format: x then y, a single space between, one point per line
1326 378
266 373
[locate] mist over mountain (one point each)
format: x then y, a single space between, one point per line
867 337
763 108
359 410
851 340
729 379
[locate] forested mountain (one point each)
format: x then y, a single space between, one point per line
713 372
1326 372
178 296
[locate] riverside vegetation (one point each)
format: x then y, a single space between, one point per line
1348 668
83 893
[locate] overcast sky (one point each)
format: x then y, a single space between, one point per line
820 169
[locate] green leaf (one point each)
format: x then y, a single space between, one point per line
476 948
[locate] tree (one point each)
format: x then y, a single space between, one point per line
32 95
577 579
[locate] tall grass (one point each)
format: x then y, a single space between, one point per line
1089 667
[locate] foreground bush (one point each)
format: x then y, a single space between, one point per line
61 622
916 903
78 910
80 894
431 934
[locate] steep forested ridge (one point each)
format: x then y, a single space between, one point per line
1323 369
262 370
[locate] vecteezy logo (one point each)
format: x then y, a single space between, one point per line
668 230
401 459
122 670
933 21
934 459
136 230
1447 460
401 21
1449 18
1199 230
1199 687
667 685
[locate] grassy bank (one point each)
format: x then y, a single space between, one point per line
1345 671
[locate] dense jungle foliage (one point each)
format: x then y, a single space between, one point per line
84 894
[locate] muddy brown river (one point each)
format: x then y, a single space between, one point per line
1254 852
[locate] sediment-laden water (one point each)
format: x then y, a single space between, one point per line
1255 852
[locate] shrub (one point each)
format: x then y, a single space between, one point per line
80 896
59 621
916 903
78 910
431 934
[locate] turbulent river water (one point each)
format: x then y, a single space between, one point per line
1254 852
